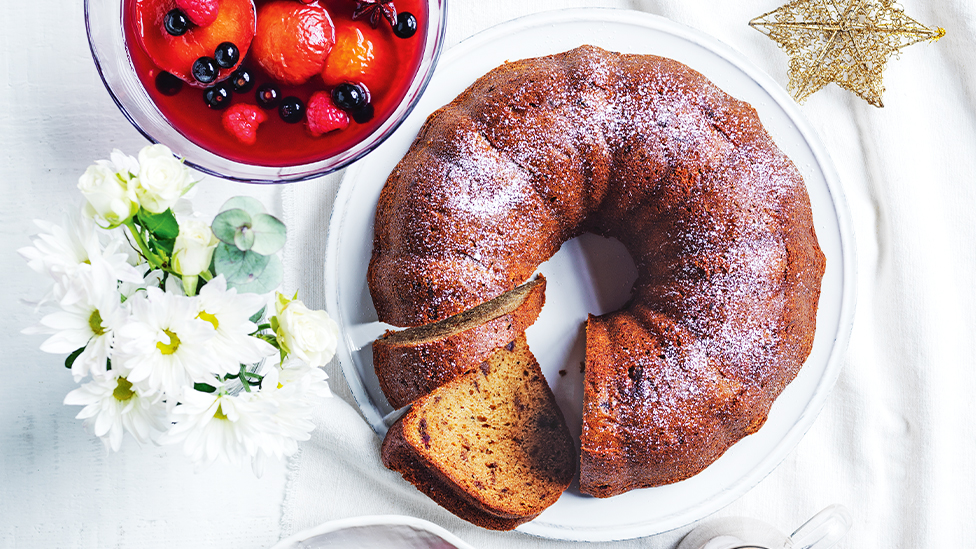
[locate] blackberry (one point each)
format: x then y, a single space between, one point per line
227 55
167 84
176 22
217 97
241 80
291 110
349 97
268 96
406 25
205 70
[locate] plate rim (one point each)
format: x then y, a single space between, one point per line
295 540
847 281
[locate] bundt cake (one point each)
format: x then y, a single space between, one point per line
413 362
645 150
491 445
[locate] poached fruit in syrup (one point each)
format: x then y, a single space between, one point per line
279 57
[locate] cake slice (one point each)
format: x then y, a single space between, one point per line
415 361
490 446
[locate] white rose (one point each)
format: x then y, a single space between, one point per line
162 178
108 193
194 248
123 164
308 335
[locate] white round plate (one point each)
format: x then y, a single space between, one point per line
594 275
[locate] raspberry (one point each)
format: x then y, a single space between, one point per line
324 117
242 120
201 12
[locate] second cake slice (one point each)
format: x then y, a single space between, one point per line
491 446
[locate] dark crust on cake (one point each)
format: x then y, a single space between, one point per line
407 372
648 151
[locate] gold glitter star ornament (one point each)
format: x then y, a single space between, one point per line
842 41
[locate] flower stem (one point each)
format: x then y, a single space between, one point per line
154 261
242 376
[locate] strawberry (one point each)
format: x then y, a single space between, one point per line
292 40
176 54
360 55
201 12
242 121
323 117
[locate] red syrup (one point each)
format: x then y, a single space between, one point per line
280 143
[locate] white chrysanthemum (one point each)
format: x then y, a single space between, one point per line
60 251
296 389
113 405
164 345
230 314
91 314
218 425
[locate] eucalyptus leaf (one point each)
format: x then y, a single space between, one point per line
250 205
267 281
238 267
162 225
228 223
269 234
244 238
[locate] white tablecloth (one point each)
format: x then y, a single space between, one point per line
894 443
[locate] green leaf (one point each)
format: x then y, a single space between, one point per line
72 357
162 226
267 281
227 224
163 246
250 205
204 388
244 238
257 316
269 234
239 267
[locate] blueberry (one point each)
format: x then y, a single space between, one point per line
227 55
349 97
241 80
363 115
268 96
217 97
406 25
167 84
291 110
176 22
205 70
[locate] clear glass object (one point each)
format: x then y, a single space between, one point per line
106 38
822 531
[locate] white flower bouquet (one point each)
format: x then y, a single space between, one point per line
173 327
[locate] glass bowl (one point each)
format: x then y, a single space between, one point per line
106 38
